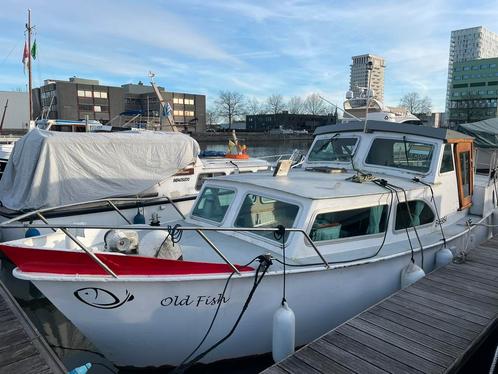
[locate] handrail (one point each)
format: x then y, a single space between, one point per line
181 228
83 203
82 246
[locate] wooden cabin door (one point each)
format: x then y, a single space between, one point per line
465 173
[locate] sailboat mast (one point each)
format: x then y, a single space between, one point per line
30 83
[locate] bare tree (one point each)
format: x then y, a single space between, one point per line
211 117
254 106
275 104
295 105
314 105
230 104
414 103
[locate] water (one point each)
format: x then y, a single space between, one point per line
74 349
262 149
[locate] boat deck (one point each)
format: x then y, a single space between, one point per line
22 348
433 326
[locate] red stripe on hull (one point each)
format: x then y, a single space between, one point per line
34 260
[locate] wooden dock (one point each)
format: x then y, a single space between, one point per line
433 326
22 348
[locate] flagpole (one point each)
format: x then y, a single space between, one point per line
30 83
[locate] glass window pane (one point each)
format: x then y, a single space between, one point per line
349 223
260 211
464 159
333 149
213 203
447 162
103 95
81 93
401 154
421 214
96 94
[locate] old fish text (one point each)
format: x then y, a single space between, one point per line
195 301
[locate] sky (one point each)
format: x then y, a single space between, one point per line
257 48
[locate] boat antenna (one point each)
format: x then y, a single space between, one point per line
342 110
3 115
369 75
29 31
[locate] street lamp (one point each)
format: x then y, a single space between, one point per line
369 73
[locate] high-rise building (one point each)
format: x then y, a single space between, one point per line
469 44
360 75
473 95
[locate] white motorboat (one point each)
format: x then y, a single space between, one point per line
106 171
330 238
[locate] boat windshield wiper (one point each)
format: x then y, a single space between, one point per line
327 143
406 150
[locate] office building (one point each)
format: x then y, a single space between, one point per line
286 120
473 94
78 98
466 45
359 79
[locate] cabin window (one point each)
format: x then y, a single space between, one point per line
421 214
202 177
402 154
333 149
464 159
349 223
213 203
261 211
447 162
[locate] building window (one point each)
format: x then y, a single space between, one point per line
103 95
97 108
189 113
177 100
88 93
466 68
492 66
178 112
475 67
81 93
96 94
491 92
189 101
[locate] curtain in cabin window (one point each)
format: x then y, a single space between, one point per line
374 219
416 211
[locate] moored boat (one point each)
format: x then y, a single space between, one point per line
332 238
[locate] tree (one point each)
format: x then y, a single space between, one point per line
254 106
295 105
275 104
314 105
230 104
211 117
414 103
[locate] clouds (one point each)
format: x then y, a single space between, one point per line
291 47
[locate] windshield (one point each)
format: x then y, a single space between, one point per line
213 203
402 154
333 149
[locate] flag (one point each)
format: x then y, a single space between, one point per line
33 50
25 56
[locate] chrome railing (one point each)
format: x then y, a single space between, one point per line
199 230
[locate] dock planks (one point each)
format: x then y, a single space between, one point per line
22 348
433 326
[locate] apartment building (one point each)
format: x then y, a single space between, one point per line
360 77
473 93
467 45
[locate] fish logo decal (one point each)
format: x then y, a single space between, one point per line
100 298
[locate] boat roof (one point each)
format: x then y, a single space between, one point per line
316 185
401 128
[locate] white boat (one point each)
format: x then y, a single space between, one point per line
106 171
363 206
355 109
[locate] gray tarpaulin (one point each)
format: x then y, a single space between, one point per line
485 132
48 168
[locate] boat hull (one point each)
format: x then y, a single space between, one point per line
155 321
